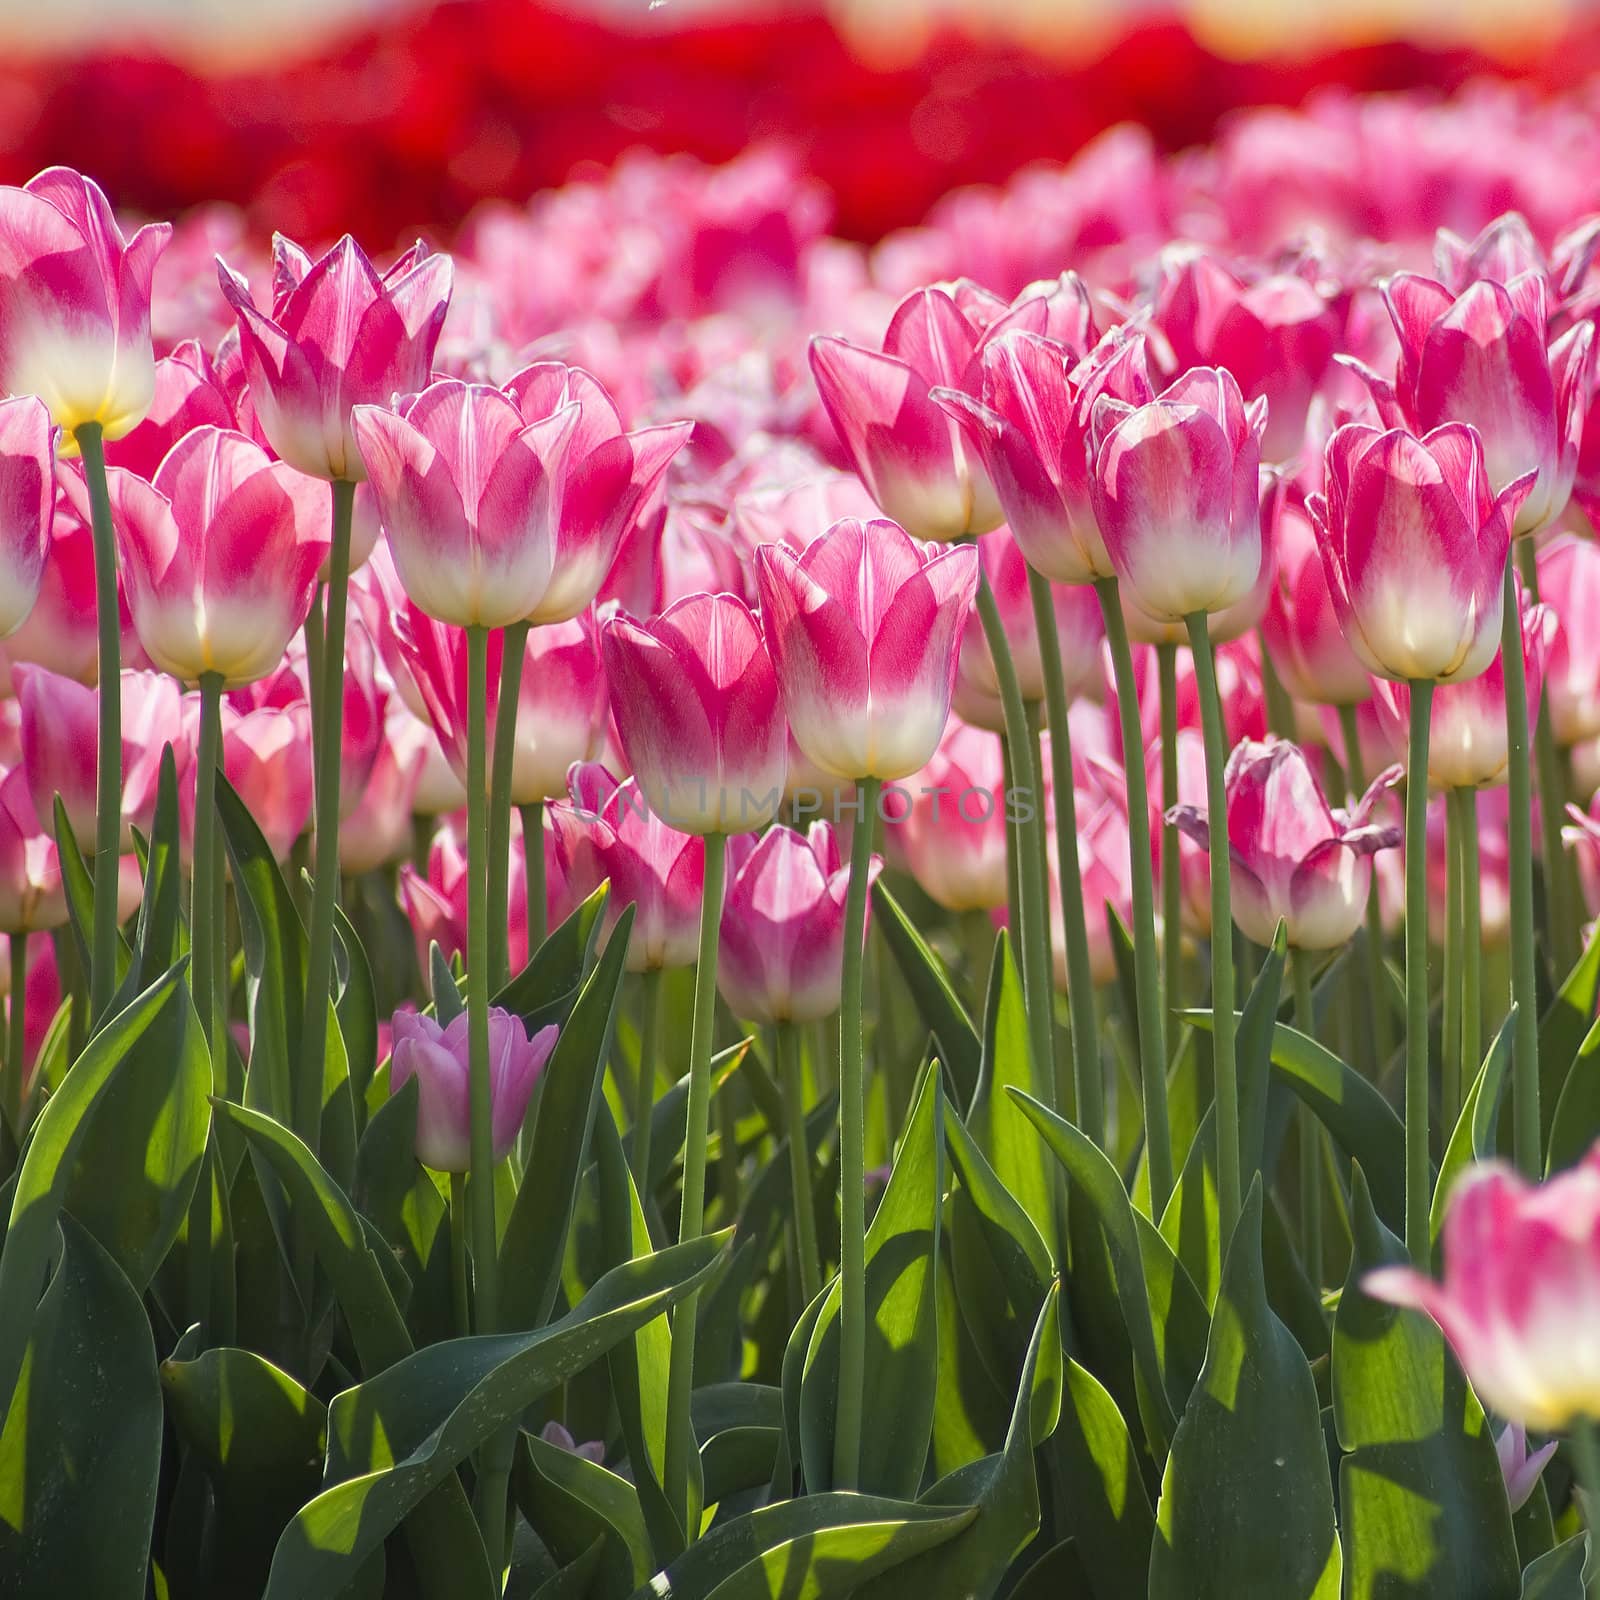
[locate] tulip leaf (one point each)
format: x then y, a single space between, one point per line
1016 1153
80 1454
78 883
1474 1135
1558 1574
396 1437
1422 1495
1576 1123
260 1435
50 1167
1191 1224
1177 1313
357 1009
1246 1508
902 1356
1093 1179
393 1190
1564 1027
960 1048
535 1237
159 939
1253 1052
572 1502
547 988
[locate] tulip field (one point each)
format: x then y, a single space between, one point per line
694 910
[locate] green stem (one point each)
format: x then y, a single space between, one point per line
458 1254
203 902
794 1116
1472 938
1584 1442
533 871
313 632
680 1441
851 1398
1146 964
645 1086
1450 1063
1417 1173
1223 1022
1372 953
1013 861
108 778
1524 976
1171 880
1088 1087
16 1035
1308 1132
514 646
1033 937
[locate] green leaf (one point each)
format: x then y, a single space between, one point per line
959 1046
535 1236
1474 1136
1191 1224
547 988
1253 1052
397 1436
80 1454
78 882
1564 1027
260 1435
1576 1123
393 1190
1097 1182
50 1164
1422 1497
159 938
1558 1575
902 1357
1246 1509
442 985
571 1502
357 1011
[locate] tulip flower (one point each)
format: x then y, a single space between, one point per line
864 628
437 1058
266 756
782 949
1105 846
953 835
1294 857
1520 1467
1503 250
1175 492
1569 584
1414 549
188 394
1521 1280
31 895
27 500
561 708
340 335
221 553
696 703
470 496
60 630
75 304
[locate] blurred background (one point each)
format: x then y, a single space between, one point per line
383 116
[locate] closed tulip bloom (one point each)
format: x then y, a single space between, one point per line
470 495
561 708
59 632
437 1058
1520 1290
1300 626
1569 583
1414 548
610 475
1175 490
1481 358
32 898
27 502
953 836
266 756
1293 856
221 554
75 304
864 629
782 952
697 707
340 335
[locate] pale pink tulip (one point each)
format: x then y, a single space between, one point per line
953 834
561 708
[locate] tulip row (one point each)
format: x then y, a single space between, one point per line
1059 619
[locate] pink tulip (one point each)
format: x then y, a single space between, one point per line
1520 1468
953 835
378 829
782 951
221 554
75 304
31 896
1481 358
1569 584
1503 250
607 832
561 708
61 740
41 998
188 394
435 658
1104 861
696 703
1414 548
1175 490
864 628
470 496
1582 838
437 1058
609 477
27 503
796 512
1520 1293
909 453
1029 422
340 335
60 631
436 905
1467 725
266 756
1293 857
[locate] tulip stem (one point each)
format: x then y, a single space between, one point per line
1223 1021
794 1115
533 872
644 1097
1088 1087
1013 863
458 1254
1450 1062
1418 1241
514 647
108 784
1171 880
680 1442
1308 1132
1033 939
1372 953
1471 937
1524 975
16 1036
852 1142
1146 964
1584 1441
